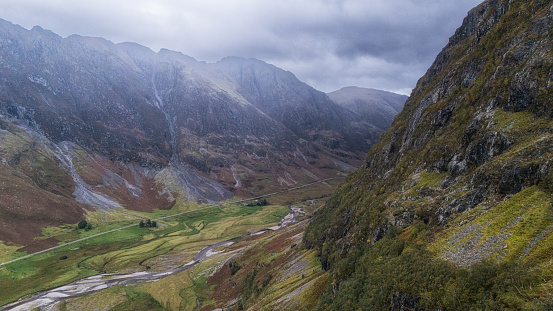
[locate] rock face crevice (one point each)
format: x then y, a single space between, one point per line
474 133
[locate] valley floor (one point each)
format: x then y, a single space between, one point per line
180 266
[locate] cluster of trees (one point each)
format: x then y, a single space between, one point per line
148 223
83 224
260 202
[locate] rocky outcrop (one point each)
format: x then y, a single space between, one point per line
470 150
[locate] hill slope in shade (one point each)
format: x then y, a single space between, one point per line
452 209
379 107
86 122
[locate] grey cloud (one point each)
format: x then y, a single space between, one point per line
386 44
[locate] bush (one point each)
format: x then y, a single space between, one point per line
82 224
395 273
148 223
234 267
260 202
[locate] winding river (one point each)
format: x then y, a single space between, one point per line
48 299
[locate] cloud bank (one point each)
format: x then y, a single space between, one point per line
329 44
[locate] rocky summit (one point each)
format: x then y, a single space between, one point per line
89 124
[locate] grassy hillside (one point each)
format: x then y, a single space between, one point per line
173 243
452 209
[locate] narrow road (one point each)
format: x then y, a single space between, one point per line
170 216
89 285
92 284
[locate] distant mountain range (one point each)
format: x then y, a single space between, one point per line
86 123
377 107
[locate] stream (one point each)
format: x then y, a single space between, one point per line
48 299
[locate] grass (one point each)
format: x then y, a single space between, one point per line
289 278
128 248
168 291
430 180
8 252
138 301
135 248
308 299
12 143
179 292
63 233
184 290
42 272
315 191
179 207
102 300
521 218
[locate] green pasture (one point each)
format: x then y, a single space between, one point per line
130 249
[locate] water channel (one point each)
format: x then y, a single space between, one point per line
48 299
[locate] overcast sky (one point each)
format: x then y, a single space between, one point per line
329 44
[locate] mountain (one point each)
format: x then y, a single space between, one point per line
87 124
378 107
452 208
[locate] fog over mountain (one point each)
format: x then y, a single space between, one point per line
103 125
378 107
383 44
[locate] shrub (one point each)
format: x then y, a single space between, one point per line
82 224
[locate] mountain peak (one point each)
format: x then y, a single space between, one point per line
379 107
127 126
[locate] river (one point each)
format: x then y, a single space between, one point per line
48 299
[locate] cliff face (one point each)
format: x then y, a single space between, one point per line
467 160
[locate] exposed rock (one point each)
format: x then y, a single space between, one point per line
126 126
477 124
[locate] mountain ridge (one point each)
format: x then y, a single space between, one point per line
379 107
122 125
459 186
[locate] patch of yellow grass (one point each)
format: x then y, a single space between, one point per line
168 291
103 300
521 218
7 252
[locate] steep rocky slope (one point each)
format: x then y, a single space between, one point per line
91 124
452 209
35 191
378 107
